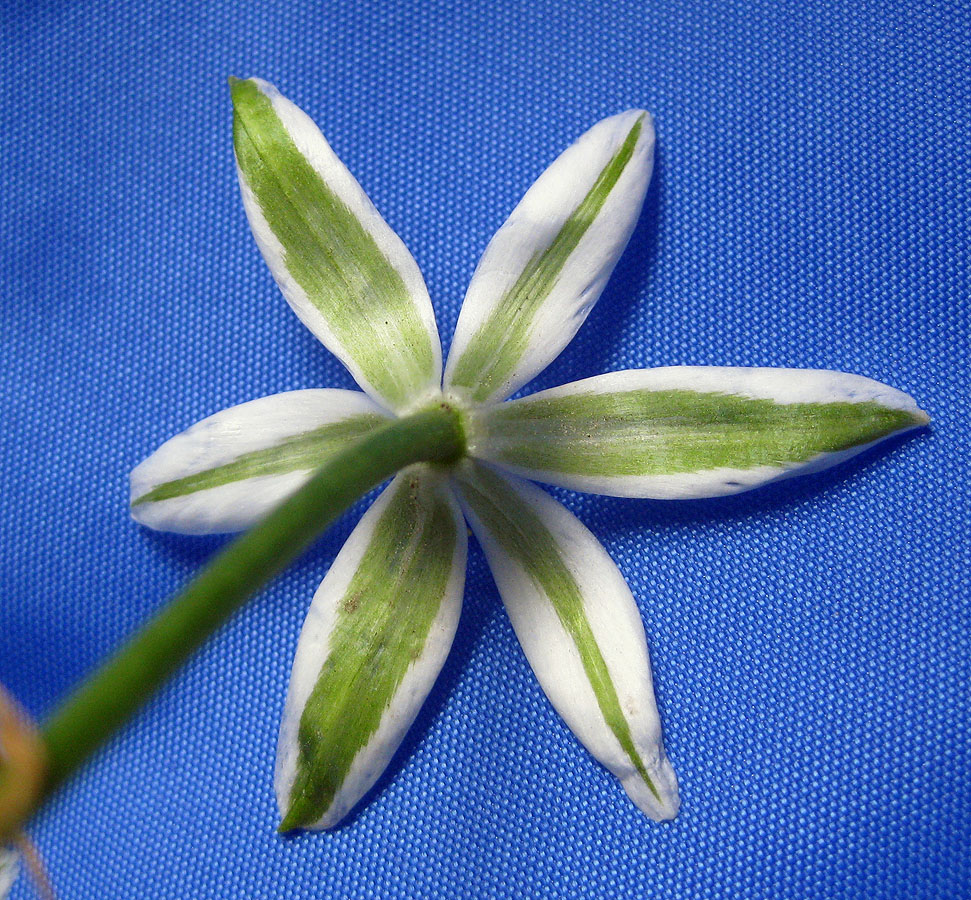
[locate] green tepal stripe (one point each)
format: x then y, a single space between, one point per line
301 452
382 626
499 344
330 254
643 433
523 535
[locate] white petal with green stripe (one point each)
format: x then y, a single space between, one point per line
579 627
227 471
346 274
691 431
375 638
546 266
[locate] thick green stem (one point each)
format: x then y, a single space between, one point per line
109 697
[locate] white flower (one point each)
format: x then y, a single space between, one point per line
382 621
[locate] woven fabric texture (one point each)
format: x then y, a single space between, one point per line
810 640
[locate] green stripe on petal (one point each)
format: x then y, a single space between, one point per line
376 636
569 604
691 431
296 454
230 469
342 269
545 268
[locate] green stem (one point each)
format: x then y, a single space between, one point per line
109 697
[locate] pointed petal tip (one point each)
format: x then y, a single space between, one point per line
633 115
296 818
137 495
667 813
286 828
239 88
659 800
289 817
642 115
293 819
911 416
643 119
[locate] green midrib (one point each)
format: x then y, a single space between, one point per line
382 626
643 433
526 539
328 252
501 341
304 451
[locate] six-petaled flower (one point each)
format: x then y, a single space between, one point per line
382 621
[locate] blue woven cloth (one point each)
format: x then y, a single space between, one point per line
810 640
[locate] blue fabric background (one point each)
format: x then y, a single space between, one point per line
810 640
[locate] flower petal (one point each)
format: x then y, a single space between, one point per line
9 867
579 626
346 274
227 471
546 266
691 431
375 638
